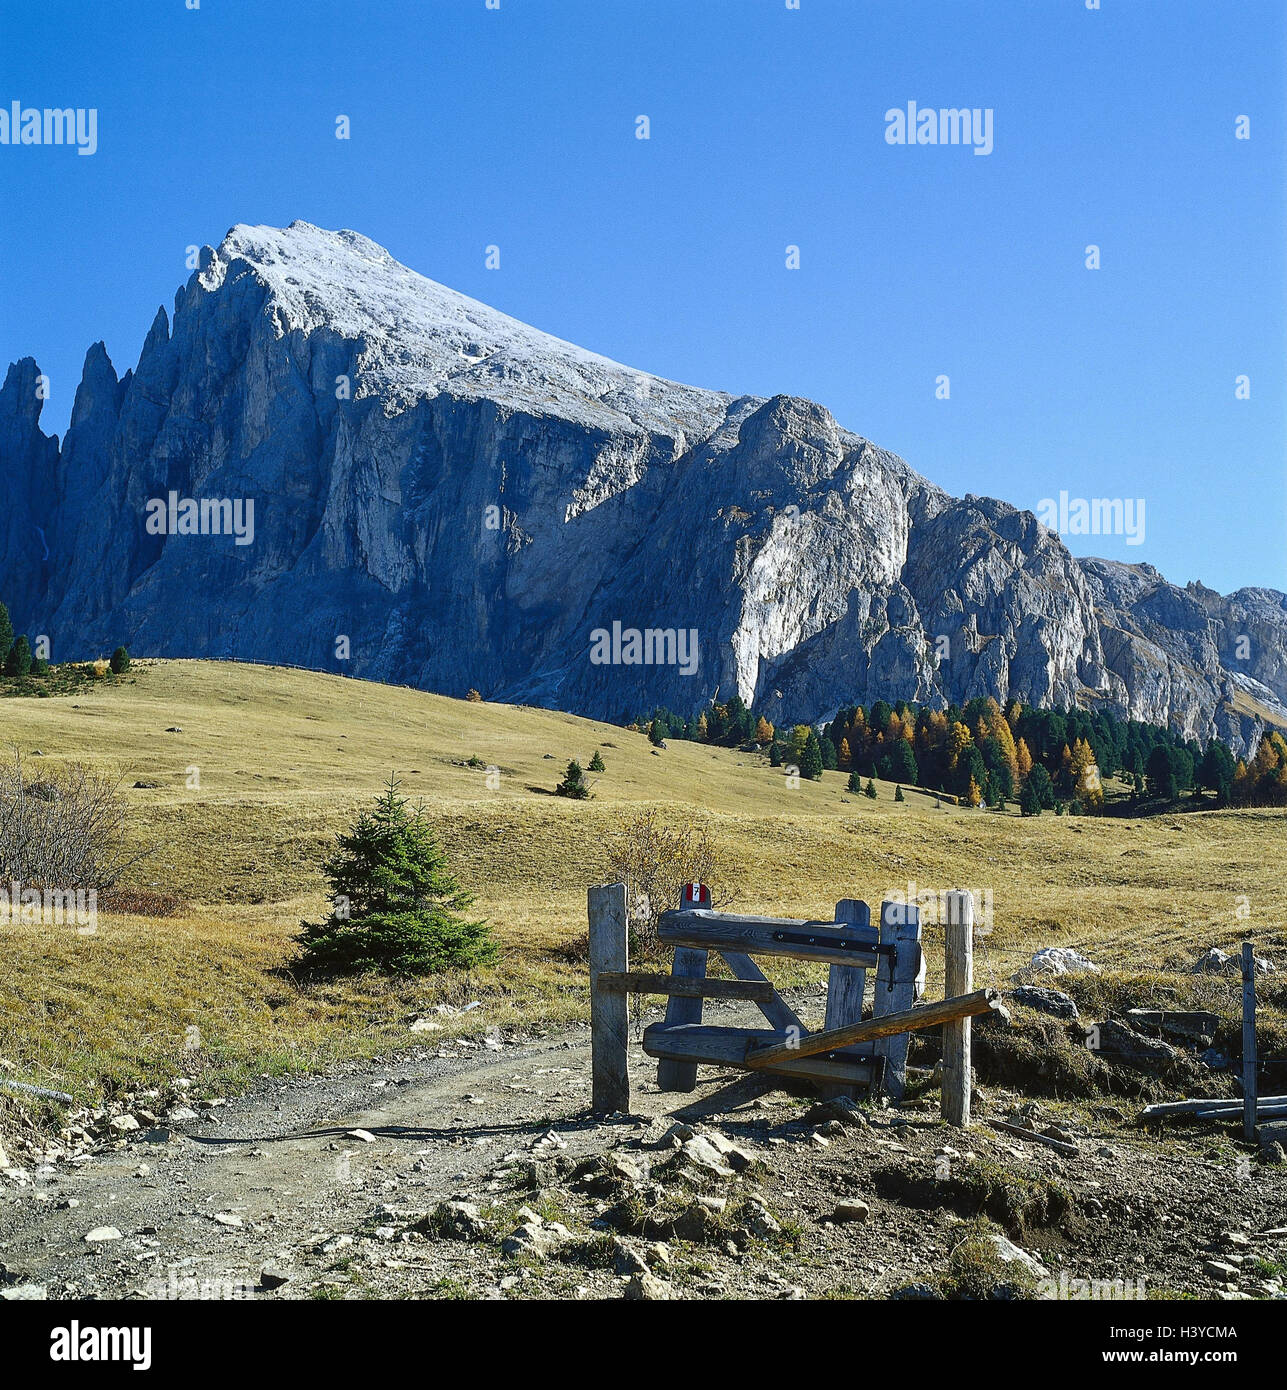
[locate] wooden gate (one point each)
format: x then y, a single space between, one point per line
847 1053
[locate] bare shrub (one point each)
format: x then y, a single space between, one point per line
64 829
655 856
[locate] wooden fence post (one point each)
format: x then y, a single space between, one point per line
958 978
1248 1041
846 985
689 963
609 1010
895 990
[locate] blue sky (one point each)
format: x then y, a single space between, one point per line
516 127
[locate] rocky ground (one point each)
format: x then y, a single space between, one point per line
474 1170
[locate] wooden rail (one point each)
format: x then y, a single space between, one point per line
769 936
647 982
927 1016
713 1046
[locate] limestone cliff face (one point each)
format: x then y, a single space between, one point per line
459 500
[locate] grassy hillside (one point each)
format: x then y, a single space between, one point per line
282 757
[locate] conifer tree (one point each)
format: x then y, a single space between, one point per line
395 905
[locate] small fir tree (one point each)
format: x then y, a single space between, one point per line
396 906
596 763
573 783
18 662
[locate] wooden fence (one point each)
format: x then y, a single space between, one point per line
848 1053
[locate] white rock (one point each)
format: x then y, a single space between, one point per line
103 1233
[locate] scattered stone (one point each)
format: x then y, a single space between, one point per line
1217 962
537 1238
273 1276
699 1153
1009 1253
1056 960
1220 1270
364 1135
123 1124
1197 1026
1046 1001
850 1212
455 1220
760 1221
333 1244
228 1218
647 1287
103 1233
626 1260
839 1109
180 1115
1125 1045
25 1293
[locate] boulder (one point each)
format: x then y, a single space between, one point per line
1009 1253
1047 1001
648 1287
1115 1040
1056 960
1196 1026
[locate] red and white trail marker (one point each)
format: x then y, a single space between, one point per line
697 895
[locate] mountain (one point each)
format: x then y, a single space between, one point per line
445 497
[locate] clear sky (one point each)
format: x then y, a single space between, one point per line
516 127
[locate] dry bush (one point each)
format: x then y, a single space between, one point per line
64 829
654 856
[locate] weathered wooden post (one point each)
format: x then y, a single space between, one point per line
689 964
609 1011
1248 1041
958 979
899 976
846 985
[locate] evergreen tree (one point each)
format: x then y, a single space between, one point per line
775 754
18 662
596 763
898 793
573 784
811 758
1030 800
120 662
656 734
6 634
855 782
1039 781
396 905
870 789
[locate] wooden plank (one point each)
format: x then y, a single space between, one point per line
889 1025
775 1009
846 985
1263 1112
759 936
647 982
726 1047
897 986
1062 1145
672 1074
609 1023
958 979
1248 1041
1210 1105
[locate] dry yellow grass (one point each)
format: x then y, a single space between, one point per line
271 762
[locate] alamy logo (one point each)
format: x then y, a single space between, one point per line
50 125
954 125
50 907
1095 516
211 516
653 646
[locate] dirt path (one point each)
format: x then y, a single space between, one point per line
277 1181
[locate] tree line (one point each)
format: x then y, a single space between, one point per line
1043 759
